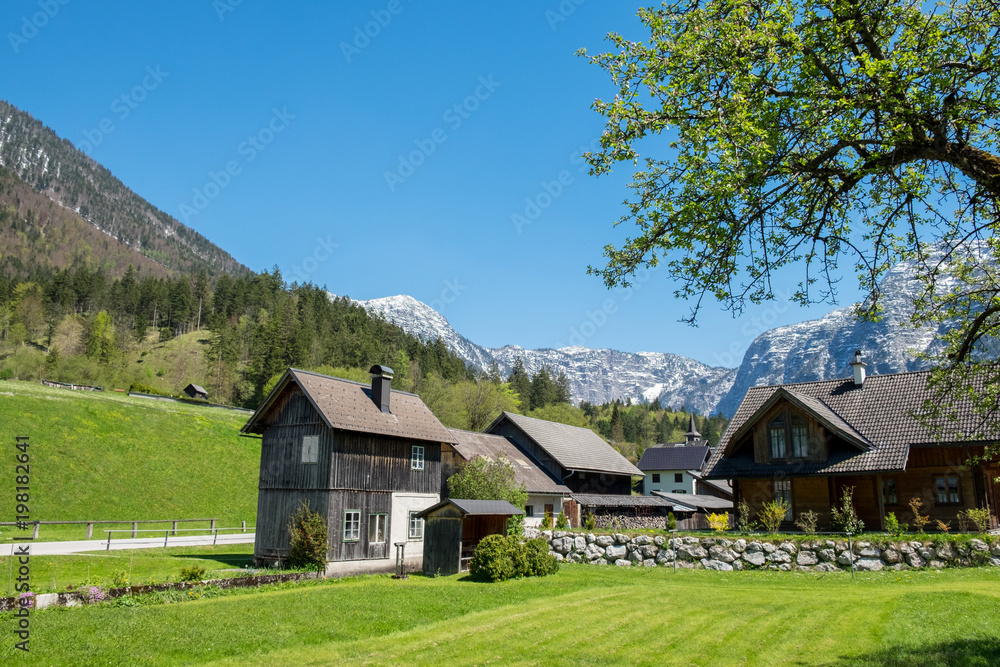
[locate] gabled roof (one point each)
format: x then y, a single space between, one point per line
674 457
197 388
347 405
876 418
475 507
698 501
470 444
574 447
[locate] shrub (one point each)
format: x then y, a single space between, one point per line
307 548
807 522
893 526
942 526
979 517
845 517
540 562
547 520
671 522
772 514
744 525
718 522
919 520
589 522
561 521
491 561
193 573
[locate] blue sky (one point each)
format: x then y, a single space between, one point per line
377 148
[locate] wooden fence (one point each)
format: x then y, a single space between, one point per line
90 524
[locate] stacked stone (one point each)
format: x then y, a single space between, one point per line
623 522
727 555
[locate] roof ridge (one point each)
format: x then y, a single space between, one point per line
360 384
831 380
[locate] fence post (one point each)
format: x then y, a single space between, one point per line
165 536
34 535
244 523
90 529
673 547
213 524
850 551
135 528
175 527
109 540
215 539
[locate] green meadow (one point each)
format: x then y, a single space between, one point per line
108 456
583 615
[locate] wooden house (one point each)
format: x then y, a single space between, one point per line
454 527
546 495
806 443
367 457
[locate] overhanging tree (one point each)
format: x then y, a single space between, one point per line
486 479
802 132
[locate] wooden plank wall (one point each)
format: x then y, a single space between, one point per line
526 444
369 462
377 502
442 544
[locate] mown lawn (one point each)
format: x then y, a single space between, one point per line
582 615
106 456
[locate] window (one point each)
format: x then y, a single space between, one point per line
776 436
783 491
376 528
788 436
417 458
352 526
889 496
680 491
656 478
678 477
529 510
800 436
310 448
947 490
416 527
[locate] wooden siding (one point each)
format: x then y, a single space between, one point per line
599 483
442 545
367 503
273 511
380 463
819 439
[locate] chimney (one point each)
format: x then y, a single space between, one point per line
859 369
381 386
692 433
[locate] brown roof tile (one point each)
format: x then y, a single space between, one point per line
470 444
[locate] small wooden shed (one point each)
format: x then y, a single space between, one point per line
196 391
454 527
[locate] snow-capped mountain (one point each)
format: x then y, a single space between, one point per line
813 350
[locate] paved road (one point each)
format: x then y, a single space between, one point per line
50 548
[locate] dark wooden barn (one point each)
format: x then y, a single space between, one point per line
196 391
366 457
454 527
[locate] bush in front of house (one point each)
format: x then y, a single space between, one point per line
307 548
501 557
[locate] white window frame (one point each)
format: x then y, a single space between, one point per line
352 526
417 457
381 522
949 490
415 527
310 449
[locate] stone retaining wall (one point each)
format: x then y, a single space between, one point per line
727 554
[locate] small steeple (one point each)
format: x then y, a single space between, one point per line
692 433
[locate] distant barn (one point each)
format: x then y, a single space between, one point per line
196 391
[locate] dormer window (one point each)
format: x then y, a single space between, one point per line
788 437
776 436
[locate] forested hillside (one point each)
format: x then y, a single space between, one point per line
55 168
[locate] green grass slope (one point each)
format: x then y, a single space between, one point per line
105 455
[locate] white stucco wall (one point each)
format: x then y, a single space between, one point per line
667 483
538 502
